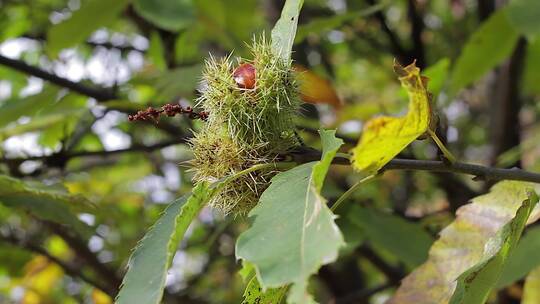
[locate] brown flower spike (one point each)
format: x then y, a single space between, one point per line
168 109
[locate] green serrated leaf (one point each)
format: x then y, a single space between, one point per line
475 284
496 37
166 14
480 238
92 15
293 232
407 241
44 203
284 31
144 281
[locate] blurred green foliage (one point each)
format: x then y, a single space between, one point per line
80 185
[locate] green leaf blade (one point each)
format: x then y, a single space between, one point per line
293 233
28 106
144 281
284 31
477 234
523 15
474 286
51 205
495 37
168 15
324 24
524 258
408 241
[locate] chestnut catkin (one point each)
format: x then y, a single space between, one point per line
251 108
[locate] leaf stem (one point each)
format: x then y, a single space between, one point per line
216 186
351 190
447 154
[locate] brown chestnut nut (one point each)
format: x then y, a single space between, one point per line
244 76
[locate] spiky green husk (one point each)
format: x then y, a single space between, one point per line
245 127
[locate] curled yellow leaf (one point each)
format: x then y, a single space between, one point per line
384 137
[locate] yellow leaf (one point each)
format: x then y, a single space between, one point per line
384 137
99 297
315 89
31 297
41 276
531 290
475 240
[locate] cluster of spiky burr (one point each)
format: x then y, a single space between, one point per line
251 106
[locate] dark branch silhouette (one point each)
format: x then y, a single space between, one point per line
100 94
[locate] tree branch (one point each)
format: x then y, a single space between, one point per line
81 250
480 172
307 155
100 94
70 269
59 158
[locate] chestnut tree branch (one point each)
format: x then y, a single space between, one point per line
100 94
69 268
478 171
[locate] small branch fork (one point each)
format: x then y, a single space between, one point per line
169 110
